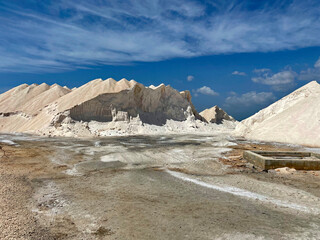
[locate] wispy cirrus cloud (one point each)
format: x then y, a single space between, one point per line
63 35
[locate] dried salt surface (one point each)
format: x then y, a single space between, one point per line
135 151
73 172
293 119
8 142
108 158
248 194
162 156
87 216
49 201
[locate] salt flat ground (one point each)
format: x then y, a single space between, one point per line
149 187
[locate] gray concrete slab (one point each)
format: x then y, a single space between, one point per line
271 160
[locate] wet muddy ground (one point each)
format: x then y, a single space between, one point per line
151 187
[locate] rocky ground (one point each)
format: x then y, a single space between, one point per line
160 187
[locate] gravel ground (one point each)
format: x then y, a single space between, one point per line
16 190
121 188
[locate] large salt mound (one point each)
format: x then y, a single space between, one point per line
293 119
96 100
216 115
45 109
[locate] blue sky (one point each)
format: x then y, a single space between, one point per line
241 55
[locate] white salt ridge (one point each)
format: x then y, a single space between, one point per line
245 193
293 119
95 109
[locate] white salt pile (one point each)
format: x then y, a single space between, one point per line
100 108
216 115
293 119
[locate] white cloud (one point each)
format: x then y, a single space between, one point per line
283 77
249 99
280 81
206 91
73 34
239 73
190 78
